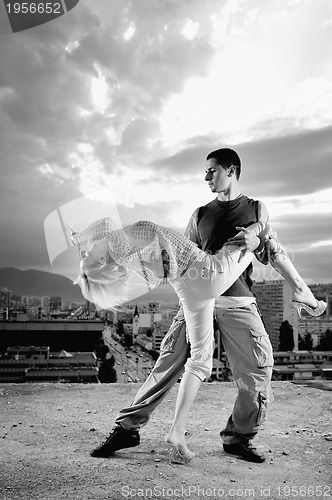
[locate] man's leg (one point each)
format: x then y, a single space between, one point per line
250 356
174 352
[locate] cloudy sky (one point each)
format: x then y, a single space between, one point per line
129 97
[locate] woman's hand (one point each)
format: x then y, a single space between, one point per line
246 239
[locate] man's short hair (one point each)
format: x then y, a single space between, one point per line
227 157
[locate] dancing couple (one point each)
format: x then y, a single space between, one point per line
110 254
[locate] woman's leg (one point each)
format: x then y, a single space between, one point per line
225 268
188 389
280 261
199 320
208 279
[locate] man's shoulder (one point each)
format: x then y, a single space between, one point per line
209 207
247 199
258 204
210 204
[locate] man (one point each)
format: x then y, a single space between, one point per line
245 340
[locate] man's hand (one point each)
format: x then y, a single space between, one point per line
245 239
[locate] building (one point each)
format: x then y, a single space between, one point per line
4 313
302 365
128 329
316 327
72 335
146 321
5 295
15 300
160 329
145 342
274 301
297 365
28 352
55 304
45 301
38 364
135 324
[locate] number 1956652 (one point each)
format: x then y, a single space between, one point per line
33 8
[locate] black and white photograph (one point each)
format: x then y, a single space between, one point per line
166 249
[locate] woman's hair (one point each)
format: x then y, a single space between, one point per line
104 284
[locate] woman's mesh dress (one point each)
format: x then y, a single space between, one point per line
138 243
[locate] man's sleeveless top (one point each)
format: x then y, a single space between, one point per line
216 223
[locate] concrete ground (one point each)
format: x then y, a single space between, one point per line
47 431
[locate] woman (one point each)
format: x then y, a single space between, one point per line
158 254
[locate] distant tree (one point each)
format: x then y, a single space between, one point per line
120 329
128 340
111 360
326 341
305 343
308 341
286 339
301 343
226 375
154 354
101 349
107 372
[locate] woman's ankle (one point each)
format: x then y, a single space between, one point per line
302 293
174 434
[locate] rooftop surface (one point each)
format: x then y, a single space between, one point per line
47 431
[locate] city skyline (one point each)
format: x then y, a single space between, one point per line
130 97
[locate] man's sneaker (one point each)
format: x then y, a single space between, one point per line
246 451
118 439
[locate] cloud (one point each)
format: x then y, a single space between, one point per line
131 96
307 240
188 161
290 165
295 164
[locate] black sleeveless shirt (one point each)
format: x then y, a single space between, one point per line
216 223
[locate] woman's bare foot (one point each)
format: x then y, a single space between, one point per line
179 451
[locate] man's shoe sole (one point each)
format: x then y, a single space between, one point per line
118 439
96 454
249 457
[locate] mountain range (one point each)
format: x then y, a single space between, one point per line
41 283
